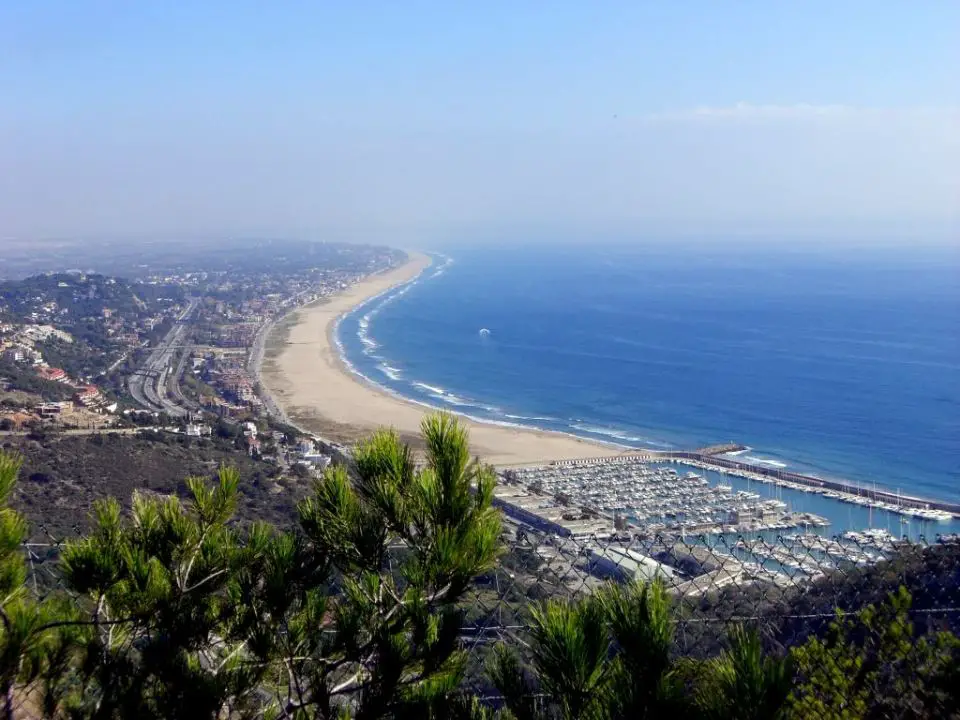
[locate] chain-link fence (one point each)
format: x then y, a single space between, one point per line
792 585
791 581
789 587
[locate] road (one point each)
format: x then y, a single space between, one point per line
81 431
148 384
156 384
173 383
255 358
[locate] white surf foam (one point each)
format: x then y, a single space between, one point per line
430 388
391 372
764 461
372 307
618 435
532 418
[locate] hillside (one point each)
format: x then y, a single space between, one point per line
72 297
83 323
62 477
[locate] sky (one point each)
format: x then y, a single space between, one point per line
431 121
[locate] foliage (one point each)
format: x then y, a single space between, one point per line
178 609
24 378
177 612
395 625
744 682
84 296
872 665
610 656
37 641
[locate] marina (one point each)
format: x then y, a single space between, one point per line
769 529
867 505
659 499
867 497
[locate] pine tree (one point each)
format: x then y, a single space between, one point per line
380 569
356 612
154 590
175 610
609 656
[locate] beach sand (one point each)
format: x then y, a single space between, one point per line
304 374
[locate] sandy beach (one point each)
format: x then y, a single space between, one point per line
307 379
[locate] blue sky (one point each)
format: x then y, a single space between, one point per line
433 120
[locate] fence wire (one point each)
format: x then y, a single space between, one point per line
789 587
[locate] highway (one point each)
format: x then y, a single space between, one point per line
148 384
173 383
156 384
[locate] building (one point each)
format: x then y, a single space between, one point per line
305 447
45 332
50 411
318 460
53 374
88 396
196 430
544 514
626 565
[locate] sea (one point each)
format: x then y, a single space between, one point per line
839 362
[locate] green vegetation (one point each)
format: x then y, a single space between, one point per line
173 609
182 614
62 477
873 664
611 656
24 379
83 296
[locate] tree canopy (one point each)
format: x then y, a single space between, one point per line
177 610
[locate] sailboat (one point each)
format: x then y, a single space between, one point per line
904 520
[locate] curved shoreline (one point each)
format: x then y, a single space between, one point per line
318 389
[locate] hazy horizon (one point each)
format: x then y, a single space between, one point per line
426 125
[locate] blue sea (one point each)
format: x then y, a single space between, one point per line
838 362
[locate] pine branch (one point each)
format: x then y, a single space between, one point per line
207 579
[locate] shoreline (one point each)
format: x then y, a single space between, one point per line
314 386
503 445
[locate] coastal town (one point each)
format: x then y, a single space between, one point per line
181 350
175 347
